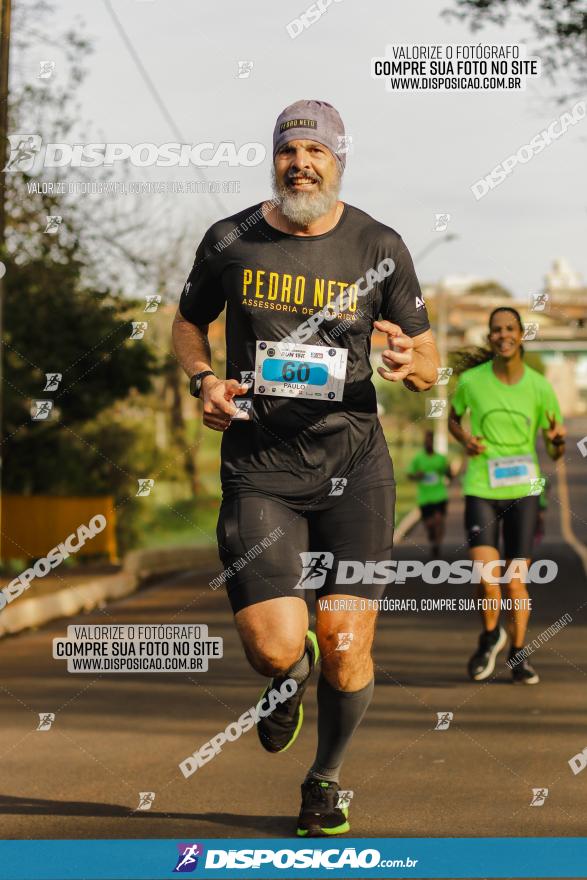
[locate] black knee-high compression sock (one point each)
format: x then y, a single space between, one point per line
339 715
301 668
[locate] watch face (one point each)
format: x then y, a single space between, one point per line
196 382
195 386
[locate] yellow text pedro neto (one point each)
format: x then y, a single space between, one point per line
295 293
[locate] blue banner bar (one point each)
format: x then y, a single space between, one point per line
385 858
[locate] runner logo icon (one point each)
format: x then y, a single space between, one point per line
345 144
537 485
46 69
187 860
315 568
344 799
444 719
152 303
52 381
244 69
539 302
53 223
436 408
443 374
145 487
344 641
530 331
46 719
23 151
146 799
41 410
138 329
441 222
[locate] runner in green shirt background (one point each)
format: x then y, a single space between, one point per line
507 402
430 469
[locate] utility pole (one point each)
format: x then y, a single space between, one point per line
441 343
5 8
442 239
441 433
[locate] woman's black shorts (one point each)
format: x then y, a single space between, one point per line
428 510
514 517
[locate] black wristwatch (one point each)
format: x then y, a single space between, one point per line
196 382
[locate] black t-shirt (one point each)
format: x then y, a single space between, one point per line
271 282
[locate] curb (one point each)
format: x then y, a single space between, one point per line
406 525
138 566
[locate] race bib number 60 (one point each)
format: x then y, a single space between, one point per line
311 371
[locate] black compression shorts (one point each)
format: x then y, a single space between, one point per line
261 538
517 516
428 510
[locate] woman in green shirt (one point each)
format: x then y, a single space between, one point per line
507 402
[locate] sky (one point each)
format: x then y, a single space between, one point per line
414 154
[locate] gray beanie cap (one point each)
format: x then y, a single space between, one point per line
311 120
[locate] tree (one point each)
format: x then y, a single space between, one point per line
54 324
64 315
67 310
559 28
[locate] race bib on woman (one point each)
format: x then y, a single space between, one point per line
511 470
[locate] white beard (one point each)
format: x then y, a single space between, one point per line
303 208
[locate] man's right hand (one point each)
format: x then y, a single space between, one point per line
216 396
474 446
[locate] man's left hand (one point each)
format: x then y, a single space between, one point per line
399 357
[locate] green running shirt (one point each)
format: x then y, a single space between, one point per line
432 488
508 418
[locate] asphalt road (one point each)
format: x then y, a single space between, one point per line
117 735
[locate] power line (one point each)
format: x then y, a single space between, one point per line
156 96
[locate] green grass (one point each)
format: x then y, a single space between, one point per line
405 499
187 522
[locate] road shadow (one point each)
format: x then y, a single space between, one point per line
279 826
276 826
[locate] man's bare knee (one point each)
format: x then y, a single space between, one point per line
345 642
273 634
341 634
343 656
273 657
348 670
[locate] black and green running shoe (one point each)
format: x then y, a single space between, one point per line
320 814
279 730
